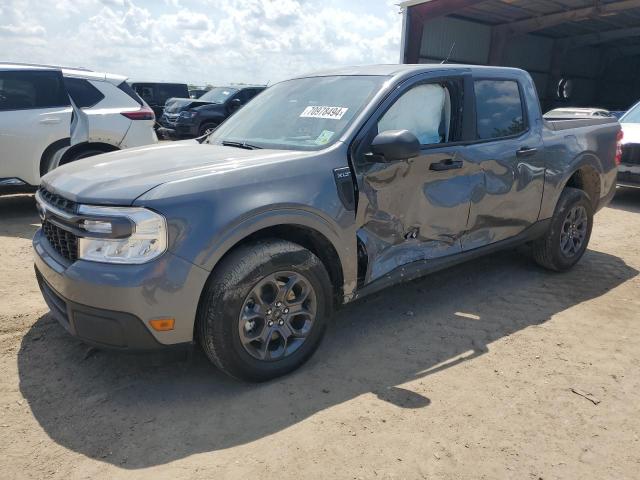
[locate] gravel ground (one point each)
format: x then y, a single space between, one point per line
493 369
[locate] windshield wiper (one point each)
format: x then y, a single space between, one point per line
244 145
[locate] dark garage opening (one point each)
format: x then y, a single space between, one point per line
588 51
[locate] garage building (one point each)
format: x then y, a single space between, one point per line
580 53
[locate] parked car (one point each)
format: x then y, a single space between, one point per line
50 116
156 94
188 118
322 190
560 113
629 169
197 92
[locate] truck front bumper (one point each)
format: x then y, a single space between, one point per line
111 305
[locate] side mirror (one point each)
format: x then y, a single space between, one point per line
235 104
394 145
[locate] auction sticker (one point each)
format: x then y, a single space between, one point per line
332 113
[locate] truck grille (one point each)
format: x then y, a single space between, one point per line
62 241
631 154
59 202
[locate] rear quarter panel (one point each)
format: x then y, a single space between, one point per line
570 149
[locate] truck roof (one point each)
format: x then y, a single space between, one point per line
401 70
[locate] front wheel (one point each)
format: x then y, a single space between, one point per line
568 236
264 310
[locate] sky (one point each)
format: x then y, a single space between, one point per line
201 42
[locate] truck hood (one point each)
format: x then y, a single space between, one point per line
177 105
631 133
118 178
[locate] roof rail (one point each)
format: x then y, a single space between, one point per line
83 69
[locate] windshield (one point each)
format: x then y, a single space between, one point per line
301 114
218 94
632 116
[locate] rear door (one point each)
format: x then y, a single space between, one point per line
35 112
417 209
509 151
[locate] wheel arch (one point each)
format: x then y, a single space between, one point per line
85 146
587 179
57 147
307 229
585 174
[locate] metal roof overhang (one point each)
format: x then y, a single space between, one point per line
576 23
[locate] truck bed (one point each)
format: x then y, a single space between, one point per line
559 124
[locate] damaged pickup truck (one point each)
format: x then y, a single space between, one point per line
322 190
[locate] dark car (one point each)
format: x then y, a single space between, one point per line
324 189
188 117
156 94
197 92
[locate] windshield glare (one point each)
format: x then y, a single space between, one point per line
632 116
218 94
302 114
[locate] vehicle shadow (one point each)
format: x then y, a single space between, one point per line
141 411
627 199
18 216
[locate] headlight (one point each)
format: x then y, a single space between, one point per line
121 235
188 114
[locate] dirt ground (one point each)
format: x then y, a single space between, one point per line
466 374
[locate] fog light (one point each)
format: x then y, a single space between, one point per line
162 324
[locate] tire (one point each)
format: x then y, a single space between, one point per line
230 293
77 156
548 250
84 154
204 129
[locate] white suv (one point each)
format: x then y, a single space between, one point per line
50 116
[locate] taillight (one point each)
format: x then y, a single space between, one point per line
619 147
143 113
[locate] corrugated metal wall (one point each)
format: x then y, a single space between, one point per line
472 41
530 52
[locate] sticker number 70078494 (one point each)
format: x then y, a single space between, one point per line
333 113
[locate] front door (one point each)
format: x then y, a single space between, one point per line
509 151
416 209
34 114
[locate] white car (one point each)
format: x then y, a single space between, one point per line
629 168
50 116
567 113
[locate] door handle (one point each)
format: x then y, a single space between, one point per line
446 164
49 121
526 152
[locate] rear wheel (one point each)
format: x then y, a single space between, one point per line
56 162
568 236
264 310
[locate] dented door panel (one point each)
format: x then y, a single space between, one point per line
508 200
411 213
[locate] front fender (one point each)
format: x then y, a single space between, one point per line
256 221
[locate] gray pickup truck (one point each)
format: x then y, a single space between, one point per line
323 189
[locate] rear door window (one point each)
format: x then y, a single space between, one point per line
499 109
82 92
20 90
128 89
